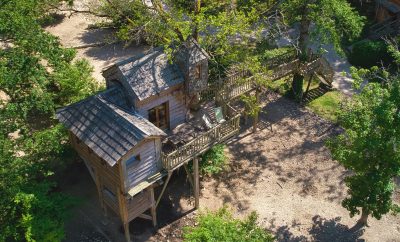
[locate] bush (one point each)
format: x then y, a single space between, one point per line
269 54
221 226
214 160
366 54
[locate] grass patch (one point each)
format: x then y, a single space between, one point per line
221 226
327 105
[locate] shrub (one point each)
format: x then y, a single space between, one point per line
366 54
221 226
269 54
214 160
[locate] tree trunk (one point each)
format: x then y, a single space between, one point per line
304 30
363 221
197 6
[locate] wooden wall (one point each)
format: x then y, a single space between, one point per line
104 175
149 164
176 104
193 84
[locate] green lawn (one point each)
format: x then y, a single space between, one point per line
327 105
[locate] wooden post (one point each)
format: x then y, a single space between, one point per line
164 187
153 207
196 182
126 230
256 115
308 86
189 175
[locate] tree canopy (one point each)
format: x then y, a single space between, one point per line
369 148
225 29
37 76
323 21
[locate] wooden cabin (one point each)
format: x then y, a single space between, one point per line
386 9
121 132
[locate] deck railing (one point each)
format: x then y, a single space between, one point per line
202 143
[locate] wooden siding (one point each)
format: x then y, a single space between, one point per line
193 84
149 164
139 203
177 108
103 174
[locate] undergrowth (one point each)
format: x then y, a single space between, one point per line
214 160
221 226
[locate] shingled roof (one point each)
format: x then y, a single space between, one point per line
105 124
190 53
149 75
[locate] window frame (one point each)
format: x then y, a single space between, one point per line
157 122
197 71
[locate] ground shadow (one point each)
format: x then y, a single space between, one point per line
322 230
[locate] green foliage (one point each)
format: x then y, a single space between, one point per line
215 24
327 105
369 148
214 160
253 108
221 226
272 53
37 75
367 54
332 21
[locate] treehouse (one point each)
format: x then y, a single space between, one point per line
148 122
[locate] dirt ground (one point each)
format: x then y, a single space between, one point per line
285 174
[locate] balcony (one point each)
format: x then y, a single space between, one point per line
202 141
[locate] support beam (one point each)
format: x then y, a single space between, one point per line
164 187
127 233
189 175
308 85
196 182
153 210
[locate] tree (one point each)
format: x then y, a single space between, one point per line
369 148
37 75
321 22
223 28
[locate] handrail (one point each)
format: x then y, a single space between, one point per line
201 143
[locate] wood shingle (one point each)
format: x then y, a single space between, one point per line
106 125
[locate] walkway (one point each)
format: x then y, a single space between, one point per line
342 77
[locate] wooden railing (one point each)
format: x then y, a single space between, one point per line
200 144
281 66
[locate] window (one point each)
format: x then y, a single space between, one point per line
109 194
132 161
197 72
159 116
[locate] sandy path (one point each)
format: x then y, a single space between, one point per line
74 31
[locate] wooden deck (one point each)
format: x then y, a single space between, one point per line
201 143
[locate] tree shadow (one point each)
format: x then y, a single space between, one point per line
322 230
332 230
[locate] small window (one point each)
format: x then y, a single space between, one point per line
132 161
109 194
197 72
